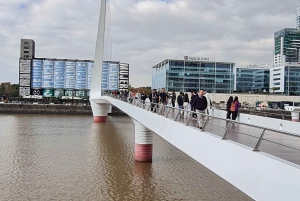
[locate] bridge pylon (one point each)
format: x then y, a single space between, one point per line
143 142
99 106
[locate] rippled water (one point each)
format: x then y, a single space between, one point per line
50 157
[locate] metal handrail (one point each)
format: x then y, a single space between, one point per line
158 107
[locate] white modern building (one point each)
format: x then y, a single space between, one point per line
285 79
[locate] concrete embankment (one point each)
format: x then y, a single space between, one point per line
51 109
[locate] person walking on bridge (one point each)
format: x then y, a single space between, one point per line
228 106
153 99
235 105
163 99
200 104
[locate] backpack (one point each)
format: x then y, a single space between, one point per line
233 106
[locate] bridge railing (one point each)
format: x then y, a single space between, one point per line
273 141
260 111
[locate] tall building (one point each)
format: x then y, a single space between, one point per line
287 46
298 18
188 74
52 77
252 78
27 53
27 50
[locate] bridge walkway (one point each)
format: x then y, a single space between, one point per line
274 142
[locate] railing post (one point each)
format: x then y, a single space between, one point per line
226 132
256 148
177 116
159 109
168 112
207 119
188 121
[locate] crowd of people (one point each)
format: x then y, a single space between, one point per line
200 103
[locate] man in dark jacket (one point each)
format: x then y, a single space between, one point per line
200 104
193 96
180 100
153 99
173 98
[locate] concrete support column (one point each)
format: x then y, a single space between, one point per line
295 116
143 143
100 111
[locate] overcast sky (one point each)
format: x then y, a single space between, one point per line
144 32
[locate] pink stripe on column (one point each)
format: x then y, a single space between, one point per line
143 152
100 119
295 120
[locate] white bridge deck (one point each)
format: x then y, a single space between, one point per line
268 173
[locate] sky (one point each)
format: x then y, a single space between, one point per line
144 32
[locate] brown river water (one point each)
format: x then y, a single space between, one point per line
68 157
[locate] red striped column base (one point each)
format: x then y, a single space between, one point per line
143 152
100 118
295 120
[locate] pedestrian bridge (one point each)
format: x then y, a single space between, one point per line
263 162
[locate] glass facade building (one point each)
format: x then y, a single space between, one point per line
287 46
255 79
285 80
187 76
65 77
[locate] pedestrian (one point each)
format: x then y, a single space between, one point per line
130 96
228 105
143 96
186 104
173 98
234 108
193 96
180 102
163 96
209 101
153 99
200 104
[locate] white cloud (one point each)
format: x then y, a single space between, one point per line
144 32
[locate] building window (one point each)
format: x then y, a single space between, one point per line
276 74
275 79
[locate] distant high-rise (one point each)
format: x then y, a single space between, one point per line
298 18
287 46
27 50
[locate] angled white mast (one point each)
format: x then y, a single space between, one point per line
96 87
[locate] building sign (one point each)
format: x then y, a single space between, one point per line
188 58
59 74
81 75
113 76
48 74
104 83
124 76
70 74
37 74
90 67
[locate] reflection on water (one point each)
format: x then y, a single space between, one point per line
50 157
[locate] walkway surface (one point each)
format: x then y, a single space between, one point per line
281 145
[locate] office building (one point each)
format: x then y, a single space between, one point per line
285 80
287 46
188 74
252 78
52 77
